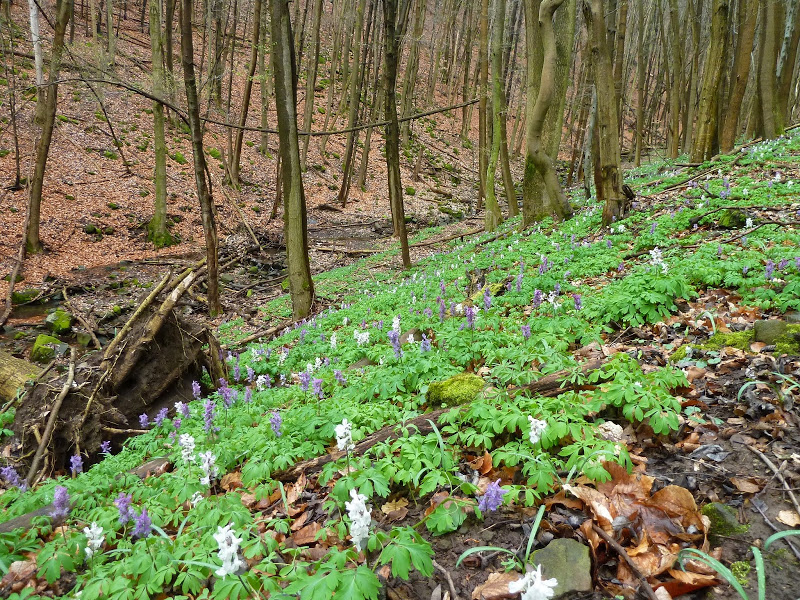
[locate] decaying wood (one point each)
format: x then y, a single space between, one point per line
51 421
14 374
550 386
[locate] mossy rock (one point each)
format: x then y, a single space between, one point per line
789 342
24 296
91 229
723 520
495 289
734 339
459 389
59 321
568 562
732 219
44 348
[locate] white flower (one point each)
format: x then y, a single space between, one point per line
344 436
186 442
532 586
748 223
228 551
362 337
537 429
261 383
196 498
333 341
283 356
359 519
94 539
396 323
317 363
207 464
657 260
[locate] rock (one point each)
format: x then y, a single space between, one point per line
59 321
568 561
84 339
412 335
44 348
91 229
769 331
455 391
793 317
364 362
732 219
723 521
24 296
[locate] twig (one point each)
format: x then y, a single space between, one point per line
256 336
645 585
778 474
449 579
51 421
116 431
81 319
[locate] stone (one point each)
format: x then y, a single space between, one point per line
84 339
732 219
459 389
59 321
769 331
793 317
44 348
412 335
568 561
24 296
724 521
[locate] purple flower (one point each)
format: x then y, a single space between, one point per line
442 286
316 386
797 263
228 394
653 228
769 270
123 504
783 264
425 345
76 464
144 421
105 447
208 415
567 275
427 312
337 374
305 379
609 244
487 298
621 267
394 339
557 289
176 422
182 409
196 390
142 525
60 503
12 477
250 374
578 302
248 395
519 282
526 331
470 312
442 310
493 497
162 414
275 422
538 297
745 269
302 335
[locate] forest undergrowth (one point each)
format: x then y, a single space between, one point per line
339 458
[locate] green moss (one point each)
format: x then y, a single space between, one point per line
43 348
723 520
494 289
735 339
740 570
59 321
680 354
789 343
459 389
732 219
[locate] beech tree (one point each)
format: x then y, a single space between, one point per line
295 228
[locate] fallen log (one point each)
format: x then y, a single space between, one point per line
14 374
550 386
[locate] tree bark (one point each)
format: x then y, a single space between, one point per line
295 227
787 59
33 243
771 114
676 80
38 61
741 73
493 216
203 191
311 80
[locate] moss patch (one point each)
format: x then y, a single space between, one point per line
455 391
735 339
723 520
789 343
43 349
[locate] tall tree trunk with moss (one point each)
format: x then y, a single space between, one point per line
493 216
748 13
676 80
771 114
483 104
33 242
787 59
412 68
706 128
391 50
236 154
157 227
216 60
608 174
200 169
295 227
265 82
537 201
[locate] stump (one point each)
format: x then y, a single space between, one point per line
14 374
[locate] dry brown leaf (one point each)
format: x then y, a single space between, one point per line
757 346
293 492
307 535
747 485
596 502
496 587
300 521
231 481
394 505
482 464
789 517
694 372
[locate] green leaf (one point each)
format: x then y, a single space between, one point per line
357 584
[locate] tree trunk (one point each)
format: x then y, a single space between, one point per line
608 175
295 227
787 59
493 215
412 68
483 113
390 52
640 81
14 374
36 40
741 73
203 191
264 79
157 227
236 155
703 143
33 243
311 81
771 115
619 59
676 80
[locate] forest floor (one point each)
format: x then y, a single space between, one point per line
673 343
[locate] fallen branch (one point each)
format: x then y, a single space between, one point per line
645 585
446 573
778 474
256 336
51 421
344 250
555 383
